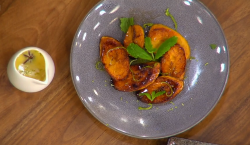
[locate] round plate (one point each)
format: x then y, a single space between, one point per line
206 75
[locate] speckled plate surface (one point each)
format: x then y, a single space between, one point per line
204 84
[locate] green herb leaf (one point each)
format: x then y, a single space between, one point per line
148 25
147 94
149 46
158 94
165 46
150 106
213 46
139 61
172 17
125 23
137 52
153 95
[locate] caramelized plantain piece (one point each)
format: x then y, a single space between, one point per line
162 83
114 58
139 77
159 33
135 35
173 62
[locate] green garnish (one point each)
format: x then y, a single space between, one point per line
148 25
132 70
139 61
164 74
153 95
171 93
171 109
172 103
148 66
206 64
114 49
141 108
137 52
149 46
99 66
191 58
213 46
173 19
126 23
165 46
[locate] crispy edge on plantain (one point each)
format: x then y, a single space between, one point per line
135 34
114 58
162 84
173 62
159 33
140 76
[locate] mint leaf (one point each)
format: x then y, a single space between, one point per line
165 46
137 52
152 95
158 94
147 94
139 61
148 25
125 23
149 46
213 46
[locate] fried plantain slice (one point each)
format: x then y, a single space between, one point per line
135 35
114 58
162 83
173 62
139 77
159 33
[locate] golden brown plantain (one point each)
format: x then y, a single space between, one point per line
173 62
135 35
159 33
114 58
139 77
162 84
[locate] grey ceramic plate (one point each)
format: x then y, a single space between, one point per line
204 84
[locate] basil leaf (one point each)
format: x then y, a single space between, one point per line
137 52
141 108
149 46
213 46
165 46
125 23
148 25
147 94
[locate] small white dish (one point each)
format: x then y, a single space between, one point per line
28 84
